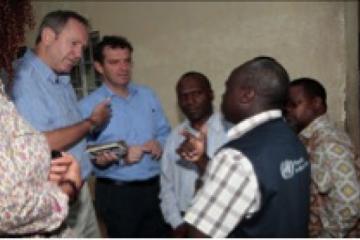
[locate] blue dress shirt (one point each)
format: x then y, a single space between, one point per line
178 176
135 119
48 101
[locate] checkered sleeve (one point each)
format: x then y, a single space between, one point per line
230 193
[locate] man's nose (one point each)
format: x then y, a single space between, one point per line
78 52
190 99
123 66
286 110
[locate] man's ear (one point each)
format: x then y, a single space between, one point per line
212 96
98 67
246 94
48 35
318 103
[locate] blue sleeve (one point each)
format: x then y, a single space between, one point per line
30 103
85 107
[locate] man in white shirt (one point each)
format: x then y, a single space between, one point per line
178 176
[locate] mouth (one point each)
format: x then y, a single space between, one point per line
123 75
192 111
73 62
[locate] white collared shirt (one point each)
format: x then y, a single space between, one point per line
178 176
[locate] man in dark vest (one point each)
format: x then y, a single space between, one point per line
257 185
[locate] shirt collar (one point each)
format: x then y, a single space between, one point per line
314 126
2 86
252 122
212 122
44 70
133 89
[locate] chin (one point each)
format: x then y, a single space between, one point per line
294 126
191 118
122 81
65 70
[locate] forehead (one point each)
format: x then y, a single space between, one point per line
297 91
76 29
116 53
236 78
231 87
191 83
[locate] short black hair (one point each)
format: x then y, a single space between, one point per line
56 20
196 75
112 42
312 87
267 77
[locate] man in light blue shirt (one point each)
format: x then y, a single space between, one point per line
44 96
179 176
127 188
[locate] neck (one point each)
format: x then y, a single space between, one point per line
122 91
198 124
40 52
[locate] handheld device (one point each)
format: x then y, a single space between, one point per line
119 148
55 154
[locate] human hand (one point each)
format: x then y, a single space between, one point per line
193 147
105 158
58 167
73 173
101 113
154 148
181 231
65 172
134 154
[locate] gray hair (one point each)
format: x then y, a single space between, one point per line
56 20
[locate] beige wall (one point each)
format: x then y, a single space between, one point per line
315 39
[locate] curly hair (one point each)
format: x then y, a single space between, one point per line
15 16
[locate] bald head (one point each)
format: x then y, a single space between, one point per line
257 85
268 79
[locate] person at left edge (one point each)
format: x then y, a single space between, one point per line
127 189
43 95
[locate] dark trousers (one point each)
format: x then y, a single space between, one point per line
130 209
